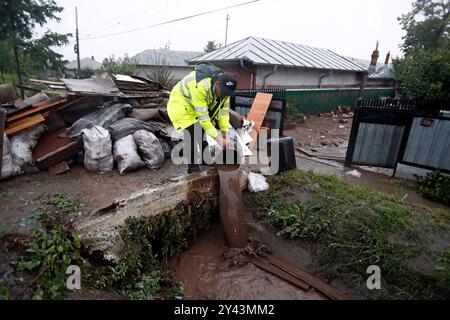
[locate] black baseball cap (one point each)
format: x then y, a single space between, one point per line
227 83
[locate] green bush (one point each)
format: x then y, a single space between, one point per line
435 186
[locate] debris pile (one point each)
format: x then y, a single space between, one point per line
94 122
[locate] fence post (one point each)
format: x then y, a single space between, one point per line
353 137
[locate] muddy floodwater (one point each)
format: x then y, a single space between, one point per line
205 274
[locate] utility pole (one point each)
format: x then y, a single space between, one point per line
226 30
77 46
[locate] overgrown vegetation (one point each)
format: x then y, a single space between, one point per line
160 71
352 228
142 270
51 253
51 249
435 186
125 65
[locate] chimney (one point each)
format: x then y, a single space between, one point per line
92 58
388 57
373 62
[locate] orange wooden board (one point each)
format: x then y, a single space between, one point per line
258 113
23 124
38 108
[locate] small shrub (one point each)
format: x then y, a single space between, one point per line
50 253
435 186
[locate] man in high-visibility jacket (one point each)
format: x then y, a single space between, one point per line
199 101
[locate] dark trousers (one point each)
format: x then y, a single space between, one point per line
195 146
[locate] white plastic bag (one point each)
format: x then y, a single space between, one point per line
150 149
257 182
354 174
9 168
126 156
97 150
22 146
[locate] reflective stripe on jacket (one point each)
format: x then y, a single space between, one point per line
191 101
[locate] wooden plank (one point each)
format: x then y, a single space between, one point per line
24 123
314 282
48 82
40 107
257 113
276 271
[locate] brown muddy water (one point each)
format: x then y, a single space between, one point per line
206 274
231 206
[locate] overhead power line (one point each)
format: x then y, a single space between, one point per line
168 22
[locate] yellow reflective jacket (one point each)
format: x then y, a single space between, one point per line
191 101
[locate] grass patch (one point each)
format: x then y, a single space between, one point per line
405 184
63 205
354 227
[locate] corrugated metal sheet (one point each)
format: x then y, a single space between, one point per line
429 146
169 57
378 144
272 52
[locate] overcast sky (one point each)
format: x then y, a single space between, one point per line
347 27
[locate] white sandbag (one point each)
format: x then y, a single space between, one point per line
22 146
149 148
126 155
97 150
9 168
257 182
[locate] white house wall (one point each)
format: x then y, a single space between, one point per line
299 77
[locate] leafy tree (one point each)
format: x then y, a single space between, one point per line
211 46
427 26
125 65
19 19
424 71
40 58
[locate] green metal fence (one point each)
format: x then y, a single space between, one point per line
309 101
